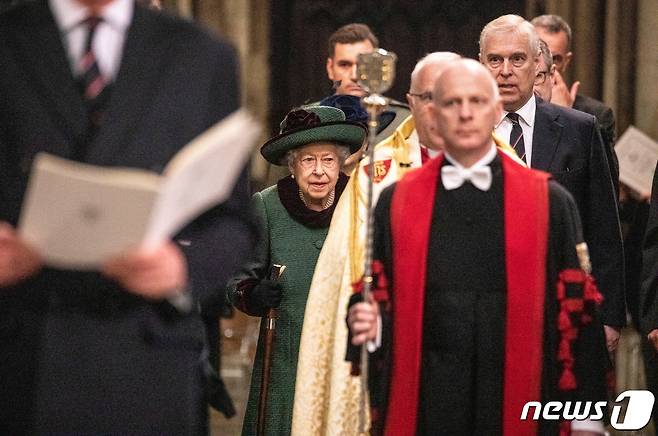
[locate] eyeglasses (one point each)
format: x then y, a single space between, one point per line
423 96
327 162
558 59
541 77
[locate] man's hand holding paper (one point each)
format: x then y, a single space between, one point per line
157 273
18 261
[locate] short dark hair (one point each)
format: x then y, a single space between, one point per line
351 34
553 24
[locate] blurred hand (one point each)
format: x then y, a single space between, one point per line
267 294
18 261
152 274
611 337
626 193
653 338
563 95
362 320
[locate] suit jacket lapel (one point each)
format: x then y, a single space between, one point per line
135 85
546 136
44 60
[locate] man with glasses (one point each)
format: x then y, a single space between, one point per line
565 143
546 73
419 98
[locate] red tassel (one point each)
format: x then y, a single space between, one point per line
567 380
357 287
380 295
573 305
574 276
564 351
570 335
564 322
561 291
591 291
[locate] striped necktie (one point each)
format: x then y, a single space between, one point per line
91 80
516 137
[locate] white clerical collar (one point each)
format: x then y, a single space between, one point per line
526 112
483 162
70 13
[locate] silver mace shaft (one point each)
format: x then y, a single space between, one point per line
375 105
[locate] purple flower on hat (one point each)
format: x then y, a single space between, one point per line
299 119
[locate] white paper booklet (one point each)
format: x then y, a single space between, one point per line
637 154
79 215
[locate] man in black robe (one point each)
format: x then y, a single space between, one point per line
489 259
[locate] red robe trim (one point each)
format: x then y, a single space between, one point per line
527 212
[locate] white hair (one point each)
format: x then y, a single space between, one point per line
474 66
512 24
437 57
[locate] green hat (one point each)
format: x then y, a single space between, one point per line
311 124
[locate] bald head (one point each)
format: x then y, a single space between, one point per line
432 63
420 90
466 107
471 68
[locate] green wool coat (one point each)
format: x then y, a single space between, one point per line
286 242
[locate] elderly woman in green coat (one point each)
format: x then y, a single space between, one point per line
294 217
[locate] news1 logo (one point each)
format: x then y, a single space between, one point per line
638 410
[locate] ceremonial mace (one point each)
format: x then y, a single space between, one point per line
270 327
376 72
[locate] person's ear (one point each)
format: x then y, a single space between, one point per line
330 69
410 101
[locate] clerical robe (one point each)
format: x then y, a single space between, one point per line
488 307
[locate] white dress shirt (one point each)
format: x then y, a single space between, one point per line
109 37
527 122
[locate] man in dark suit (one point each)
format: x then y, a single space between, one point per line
565 143
557 34
109 83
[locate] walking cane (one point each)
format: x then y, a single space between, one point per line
376 72
270 327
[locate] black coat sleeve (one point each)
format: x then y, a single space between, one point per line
254 270
602 231
589 350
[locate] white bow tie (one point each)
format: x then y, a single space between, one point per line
453 177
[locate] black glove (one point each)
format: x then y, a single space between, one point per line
265 295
